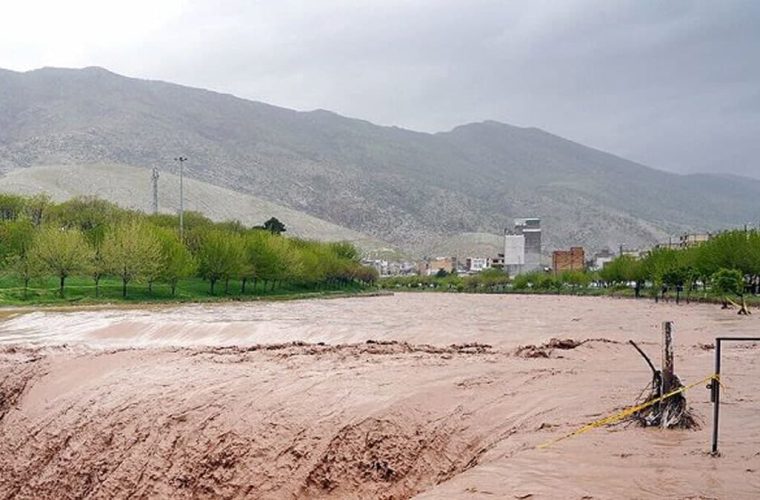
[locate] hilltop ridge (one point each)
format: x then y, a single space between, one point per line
409 188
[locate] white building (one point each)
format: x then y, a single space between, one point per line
600 259
530 228
477 264
514 253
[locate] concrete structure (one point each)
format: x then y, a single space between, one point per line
686 241
514 253
430 267
530 228
498 261
522 246
600 259
391 268
477 264
569 260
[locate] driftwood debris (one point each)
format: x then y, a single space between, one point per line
672 412
743 309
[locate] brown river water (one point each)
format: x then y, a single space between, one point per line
290 400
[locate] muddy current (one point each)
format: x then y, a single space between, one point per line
428 395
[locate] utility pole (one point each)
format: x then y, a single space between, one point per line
181 160
155 190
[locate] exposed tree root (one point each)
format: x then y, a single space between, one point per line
672 413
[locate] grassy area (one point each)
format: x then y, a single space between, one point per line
82 291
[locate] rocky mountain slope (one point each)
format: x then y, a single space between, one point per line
411 189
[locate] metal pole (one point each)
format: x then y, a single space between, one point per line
181 160
155 190
666 381
715 386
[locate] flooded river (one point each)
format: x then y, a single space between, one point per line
393 396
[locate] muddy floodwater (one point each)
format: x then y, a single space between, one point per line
413 395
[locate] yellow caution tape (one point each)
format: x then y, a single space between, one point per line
617 417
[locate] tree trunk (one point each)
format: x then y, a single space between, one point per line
124 288
668 379
26 288
226 286
150 287
242 286
63 280
212 282
174 287
97 286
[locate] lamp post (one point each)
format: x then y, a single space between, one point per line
181 160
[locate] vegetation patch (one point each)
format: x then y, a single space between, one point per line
89 250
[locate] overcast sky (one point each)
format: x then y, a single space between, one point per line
672 84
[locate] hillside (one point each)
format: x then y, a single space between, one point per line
130 187
408 188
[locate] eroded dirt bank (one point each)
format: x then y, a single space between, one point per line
84 414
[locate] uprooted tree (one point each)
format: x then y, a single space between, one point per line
731 282
670 412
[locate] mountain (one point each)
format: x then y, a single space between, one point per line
409 188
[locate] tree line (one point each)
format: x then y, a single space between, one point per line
728 263
90 237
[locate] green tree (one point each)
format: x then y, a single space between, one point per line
178 262
16 237
89 214
11 206
36 208
61 252
728 281
131 251
274 259
221 255
274 226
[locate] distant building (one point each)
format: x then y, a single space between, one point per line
514 253
390 268
686 241
522 246
432 266
569 260
477 264
600 259
531 229
690 240
498 261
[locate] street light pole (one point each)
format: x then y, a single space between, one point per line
181 160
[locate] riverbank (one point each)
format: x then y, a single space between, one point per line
82 293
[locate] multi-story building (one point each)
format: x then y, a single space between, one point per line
477 264
514 253
522 246
686 241
569 260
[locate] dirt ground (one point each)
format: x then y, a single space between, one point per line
386 397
